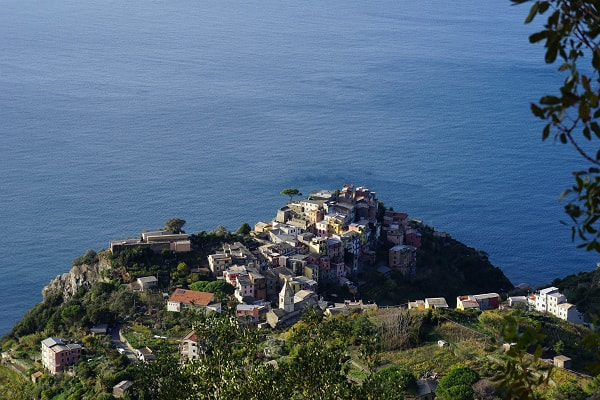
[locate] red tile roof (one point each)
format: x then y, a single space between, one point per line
191 336
192 296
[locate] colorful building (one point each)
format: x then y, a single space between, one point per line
58 354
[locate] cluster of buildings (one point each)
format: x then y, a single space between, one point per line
317 241
487 301
551 301
397 229
312 242
548 300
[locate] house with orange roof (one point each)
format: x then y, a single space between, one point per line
183 298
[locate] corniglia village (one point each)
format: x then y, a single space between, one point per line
336 296
309 200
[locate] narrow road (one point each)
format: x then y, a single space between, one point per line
116 341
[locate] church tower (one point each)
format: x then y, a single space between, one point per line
286 298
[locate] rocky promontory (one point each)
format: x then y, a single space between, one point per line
85 275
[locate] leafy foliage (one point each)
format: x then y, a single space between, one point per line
175 225
90 257
457 385
570 35
291 192
522 374
569 390
391 383
244 229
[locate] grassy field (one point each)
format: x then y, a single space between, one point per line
429 357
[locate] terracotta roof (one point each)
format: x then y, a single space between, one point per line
192 296
191 336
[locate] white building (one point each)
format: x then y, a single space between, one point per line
541 299
568 312
550 300
553 300
513 301
188 346
286 298
147 282
436 302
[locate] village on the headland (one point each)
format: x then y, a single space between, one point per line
324 239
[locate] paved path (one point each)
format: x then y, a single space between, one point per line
129 351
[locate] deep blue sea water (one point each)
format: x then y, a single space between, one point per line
118 115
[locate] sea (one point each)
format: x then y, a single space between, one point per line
116 116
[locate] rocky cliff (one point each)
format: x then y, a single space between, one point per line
80 276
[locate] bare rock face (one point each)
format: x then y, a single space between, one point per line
80 276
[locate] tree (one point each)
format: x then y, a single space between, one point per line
559 347
72 313
174 225
244 229
570 35
484 390
291 192
163 378
457 385
183 269
221 231
221 289
90 257
391 383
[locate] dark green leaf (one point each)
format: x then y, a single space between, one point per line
550 100
586 133
585 82
596 59
536 37
537 111
546 132
532 12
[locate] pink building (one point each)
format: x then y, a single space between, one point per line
412 238
58 354
399 218
244 287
